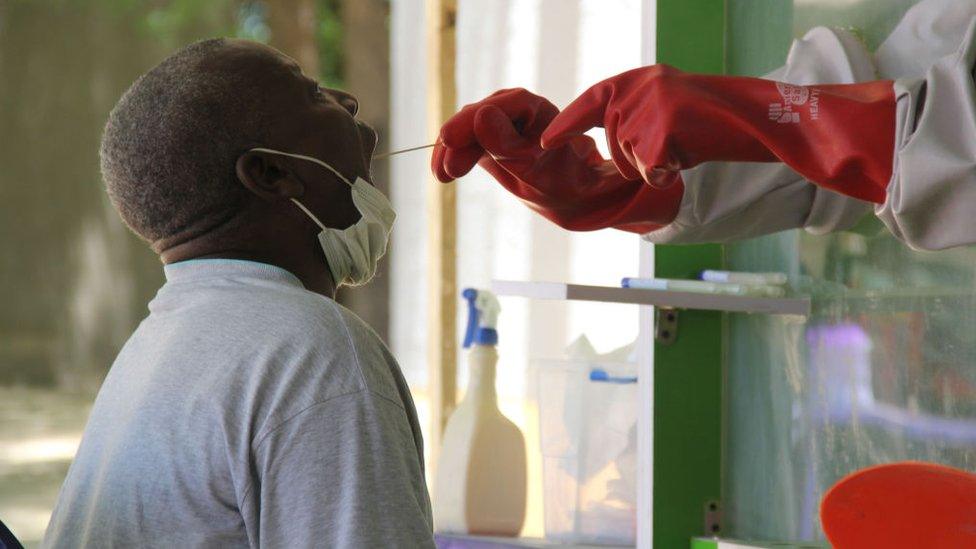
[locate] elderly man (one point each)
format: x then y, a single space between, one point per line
248 408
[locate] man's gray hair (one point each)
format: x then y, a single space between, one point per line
170 145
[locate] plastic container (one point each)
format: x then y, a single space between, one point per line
588 439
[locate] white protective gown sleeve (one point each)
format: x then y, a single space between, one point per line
726 201
931 200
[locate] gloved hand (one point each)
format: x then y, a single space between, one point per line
572 185
658 118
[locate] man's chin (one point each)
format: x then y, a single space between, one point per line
368 164
368 139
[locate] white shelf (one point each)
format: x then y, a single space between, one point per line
658 298
460 541
718 543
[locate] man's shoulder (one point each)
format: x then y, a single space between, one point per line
335 334
379 368
302 313
291 313
324 351
282 339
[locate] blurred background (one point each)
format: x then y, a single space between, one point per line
74 282
881 371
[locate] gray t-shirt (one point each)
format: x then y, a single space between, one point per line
247 411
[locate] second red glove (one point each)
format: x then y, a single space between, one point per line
839 136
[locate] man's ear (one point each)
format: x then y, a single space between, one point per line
267 176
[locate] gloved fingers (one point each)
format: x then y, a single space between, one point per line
584 148
529 111
585 112
497 133
621 150
507 178
448 164
495 129
458 131
538 118
652 163
437 163
458 162
591 110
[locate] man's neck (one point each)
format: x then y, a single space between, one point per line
246 235
313 275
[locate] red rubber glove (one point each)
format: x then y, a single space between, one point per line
840 136
572 185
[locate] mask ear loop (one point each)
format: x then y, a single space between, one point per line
303 157
309 213
310 159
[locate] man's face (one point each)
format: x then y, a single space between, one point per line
314 121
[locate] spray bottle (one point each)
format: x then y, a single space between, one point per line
480 486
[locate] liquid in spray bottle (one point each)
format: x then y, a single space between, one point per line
480 485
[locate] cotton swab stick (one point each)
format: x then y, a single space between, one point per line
401 151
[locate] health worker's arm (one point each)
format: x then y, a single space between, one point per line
907 145
713 202
729 201
931 199
744 160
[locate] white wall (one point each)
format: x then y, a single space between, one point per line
410 179
556 48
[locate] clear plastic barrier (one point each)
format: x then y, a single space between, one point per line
885 368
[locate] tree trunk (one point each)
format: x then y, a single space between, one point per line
292 24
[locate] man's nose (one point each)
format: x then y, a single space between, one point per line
348 101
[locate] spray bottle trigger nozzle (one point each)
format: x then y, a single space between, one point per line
482 315
470 294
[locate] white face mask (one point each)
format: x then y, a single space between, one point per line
353 253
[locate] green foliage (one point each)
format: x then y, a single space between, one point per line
329 37
174 23
184 20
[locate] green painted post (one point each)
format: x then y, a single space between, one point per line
688 373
